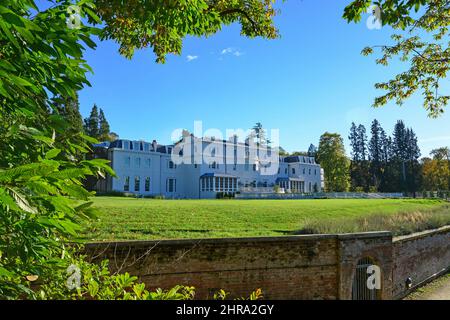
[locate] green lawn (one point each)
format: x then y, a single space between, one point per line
129 218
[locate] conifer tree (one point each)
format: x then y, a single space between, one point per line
104 129
91 124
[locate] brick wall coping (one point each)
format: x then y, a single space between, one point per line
176 242
422 234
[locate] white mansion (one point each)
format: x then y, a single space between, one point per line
197 168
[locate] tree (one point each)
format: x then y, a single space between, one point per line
404 162
376 152
163 25
92 123
353 137
436 171
424 45
104 130
69 109
362 142
312 150
332 158
359 170
259 133
41 197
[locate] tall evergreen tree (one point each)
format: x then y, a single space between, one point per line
376 152
400 141
386 146
375 143
359 173
362 142
412 166
69 109
354 142
312 150
91 124
104 129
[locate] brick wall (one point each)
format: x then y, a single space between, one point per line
421 257
293 267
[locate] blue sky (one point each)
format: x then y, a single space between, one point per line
311 80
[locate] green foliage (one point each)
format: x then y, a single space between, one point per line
162 25
423 42
332 158
97 283
92 123
42 200
41 196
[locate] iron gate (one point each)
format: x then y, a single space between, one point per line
360 290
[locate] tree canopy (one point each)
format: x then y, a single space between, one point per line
428 56
162 25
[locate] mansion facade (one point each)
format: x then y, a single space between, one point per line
200 168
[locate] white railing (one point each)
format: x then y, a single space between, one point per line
332 195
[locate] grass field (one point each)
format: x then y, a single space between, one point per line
129 218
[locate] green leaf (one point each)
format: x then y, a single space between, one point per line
53 153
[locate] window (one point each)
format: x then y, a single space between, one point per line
149 162
141 146
217 182
315 172
171 185
254 167
127 161
206 181
137 162
131 145
309 171
286 171
304 171
279 170
126 186
137 184
172 165
293 170
147 184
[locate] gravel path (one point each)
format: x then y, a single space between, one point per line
436 290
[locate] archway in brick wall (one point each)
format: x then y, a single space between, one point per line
366 280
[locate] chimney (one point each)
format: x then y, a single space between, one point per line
155 145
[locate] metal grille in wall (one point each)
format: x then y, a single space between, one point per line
360 289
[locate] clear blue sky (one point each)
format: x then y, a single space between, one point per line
311 80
